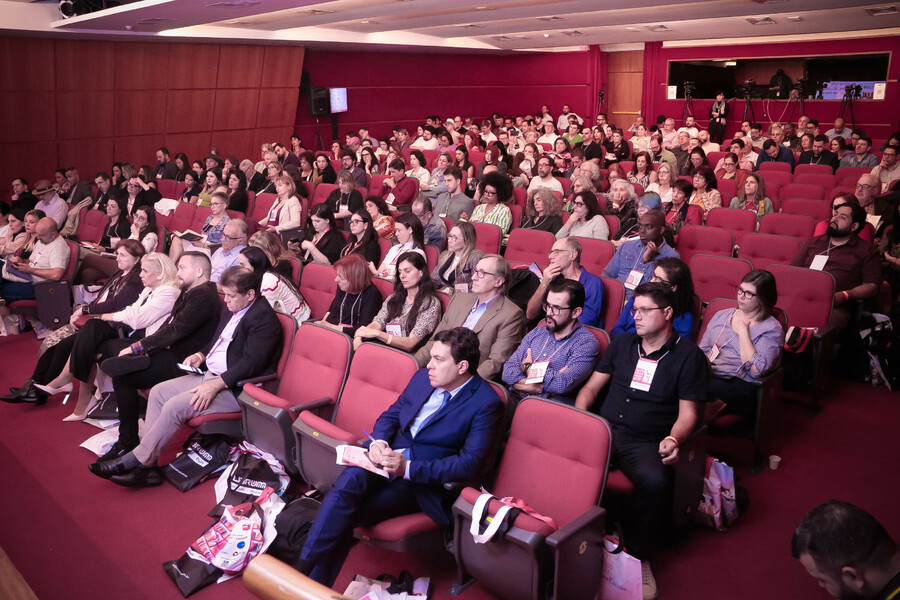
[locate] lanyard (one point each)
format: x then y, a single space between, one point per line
544 347
341 312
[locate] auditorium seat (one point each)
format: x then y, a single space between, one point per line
728 189
317 286
802 190
52 305
378 374
595 254
764 249
431 257
816 209
613 301
312 379
772 165
738 220
385 286
776 177
556 460
199 218
715 157
322 192
167 188
376 185
700 239
826 180
717 276
613 223
182 217
488 237
520 197
810 168
261 208
516 211
844 173
529 245
311 189
91 225
566 184
798 226
838 190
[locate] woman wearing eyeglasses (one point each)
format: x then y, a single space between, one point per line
212 228
586 220
495 191
742 344
675 273
730 170
363 239
453 271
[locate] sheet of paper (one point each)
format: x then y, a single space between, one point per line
354 456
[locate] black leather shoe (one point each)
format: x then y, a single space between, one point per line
118 450
26 395
108 468
140 477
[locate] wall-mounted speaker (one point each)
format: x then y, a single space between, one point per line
318 101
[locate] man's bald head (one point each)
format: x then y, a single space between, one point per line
866 188
46 230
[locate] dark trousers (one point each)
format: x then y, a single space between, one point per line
162 368
358 498
52 362
16 290
639 460
87 345
716 132
738 395
95 268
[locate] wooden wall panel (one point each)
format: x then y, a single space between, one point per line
236 109
138 149
277 107
89 156
27 116
276 134
632 61
282 66
190 110
84 114
240 66
142 66
140 112
31 160
193 66
84 65
195 145
26 64
238 143
623 95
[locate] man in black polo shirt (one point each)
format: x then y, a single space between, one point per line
656 381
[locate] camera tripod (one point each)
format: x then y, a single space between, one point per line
749 115
688 110
795 101
847 104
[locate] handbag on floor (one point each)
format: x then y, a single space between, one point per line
203 457
293 525
252 472
718 504
622 579
107 408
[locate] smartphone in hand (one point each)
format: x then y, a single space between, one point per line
189 369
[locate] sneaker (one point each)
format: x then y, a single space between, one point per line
649 589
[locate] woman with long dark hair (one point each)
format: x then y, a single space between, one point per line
323 242
277 289
455 265
675 273
411 313
363 239
410 238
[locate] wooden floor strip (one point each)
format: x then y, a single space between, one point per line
12 584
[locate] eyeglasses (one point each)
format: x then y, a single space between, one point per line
552 309
578 204
231 237
450 237
741 292
488 192
864 186
643 311
658 279
356 221
480 274
553 253
727 164
217 204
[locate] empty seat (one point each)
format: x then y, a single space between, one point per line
739 221
378 374
312 379
488 237
727 188
184 215
826 180
596 254
529 246
845 173
322 192
318 286
613 301
816 209
797 226
698 239
813 169
91 225
167 188
802 190
716 276
779 178
772 165
763 249
376 185
556 460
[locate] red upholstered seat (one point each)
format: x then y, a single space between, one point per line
812 169
318 286
596 254
184 215
385 286
91 225
488 237
802 190
323 427
826 180
398 528
716 276
775 166
797 226
816 209
528 246
763 249
697 239
613 301
739 221
776 178
322 192
617 483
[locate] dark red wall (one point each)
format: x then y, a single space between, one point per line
878 117
393 88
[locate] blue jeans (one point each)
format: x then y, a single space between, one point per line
16 290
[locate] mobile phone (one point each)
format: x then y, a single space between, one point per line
294 240
190 369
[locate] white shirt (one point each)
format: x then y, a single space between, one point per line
553 184
217 359
424 144
54 255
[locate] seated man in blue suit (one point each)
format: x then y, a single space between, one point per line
445 426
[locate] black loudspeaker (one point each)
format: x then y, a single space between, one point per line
319 103
304 83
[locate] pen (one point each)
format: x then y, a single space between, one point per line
369 435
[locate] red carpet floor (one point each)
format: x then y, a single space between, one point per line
74 536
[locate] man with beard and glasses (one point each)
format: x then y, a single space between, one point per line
848 552
553 360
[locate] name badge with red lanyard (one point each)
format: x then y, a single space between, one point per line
644 372
393 328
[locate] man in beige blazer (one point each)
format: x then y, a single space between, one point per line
495 319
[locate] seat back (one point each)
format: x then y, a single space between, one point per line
488 237
716 276
317 350
556 459
378 374
806 296
739 221
826 180
818 210
810 169
727 188
697 239
168 188
516 212
376 185
613 301
184 214
798 226
200 216
431 257
385 286
772 165
264 203
602 339
776 179
802 190
613 223
763 249
317 286
311 189
322 192
846 173
596 254
92 225
529 246
711 309
288 329
520 197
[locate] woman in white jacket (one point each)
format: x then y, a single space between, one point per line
135 321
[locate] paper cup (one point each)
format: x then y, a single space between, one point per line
774 462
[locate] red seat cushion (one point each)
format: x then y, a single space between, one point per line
617 483
202 419
399 528
524 521
326 428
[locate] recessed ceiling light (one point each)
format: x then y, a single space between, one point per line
234 4
882 12
795 19
546 35
481 8
548 19
657 28
761 21
632 29
572 33
315 12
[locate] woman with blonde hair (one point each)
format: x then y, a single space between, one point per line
287 212
279 256
455 265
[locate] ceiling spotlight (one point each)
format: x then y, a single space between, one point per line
546 35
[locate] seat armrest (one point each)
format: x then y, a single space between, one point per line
593 515
318 403
255 380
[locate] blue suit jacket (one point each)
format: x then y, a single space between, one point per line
457 444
